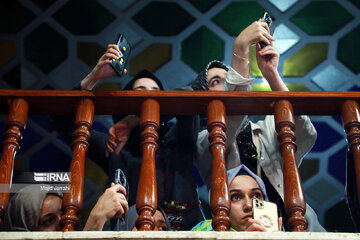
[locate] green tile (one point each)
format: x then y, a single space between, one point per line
309 168
45 48
201 47
356 3
305 59
84 17
348 51
322 18
321 191
237 16
338 219
254 69
90 52
291 86
13 77
43 4
14 16
203 5
163 18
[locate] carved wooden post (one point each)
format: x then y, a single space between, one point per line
15 124
219 199
146 201
72 202
295 204
351 118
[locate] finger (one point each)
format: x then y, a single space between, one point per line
124 205
112 56
112 184
280 223
118 188
120 147
113 46
256 227
109 148
113 51
124 71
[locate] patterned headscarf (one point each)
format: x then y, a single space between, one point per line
200 83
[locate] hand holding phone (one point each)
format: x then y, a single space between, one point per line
267 19
124 49
266 212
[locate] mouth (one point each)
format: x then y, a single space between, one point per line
247 217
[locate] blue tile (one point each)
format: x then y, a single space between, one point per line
326 137
330 79
283 5
285 38
337 165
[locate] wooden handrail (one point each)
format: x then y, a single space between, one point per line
284 105
129 102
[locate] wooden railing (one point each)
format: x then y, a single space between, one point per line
149 105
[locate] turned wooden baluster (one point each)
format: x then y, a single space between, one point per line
146 201
72 202
219 199
351 118
15 124
295 204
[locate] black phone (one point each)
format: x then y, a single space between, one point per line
119 64
267 19
120 178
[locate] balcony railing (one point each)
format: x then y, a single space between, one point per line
149 105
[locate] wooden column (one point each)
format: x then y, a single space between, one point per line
294 198
15 124
219 199
351 119
146 201
72 202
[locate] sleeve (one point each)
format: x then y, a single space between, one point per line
236 82
305 138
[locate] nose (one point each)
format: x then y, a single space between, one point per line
248 204
58 226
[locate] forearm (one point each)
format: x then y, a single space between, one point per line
95 222
275 81
88 82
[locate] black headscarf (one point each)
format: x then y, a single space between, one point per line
200 83
129 86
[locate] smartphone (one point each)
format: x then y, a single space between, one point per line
267 19
119 64
120 178
267 213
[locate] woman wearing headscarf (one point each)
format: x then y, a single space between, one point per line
244 186
176 185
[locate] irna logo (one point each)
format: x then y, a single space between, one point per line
52 177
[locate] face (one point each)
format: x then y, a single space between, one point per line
145 84
159 220
216 78
243 189
50 214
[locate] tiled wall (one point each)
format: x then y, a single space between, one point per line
53 44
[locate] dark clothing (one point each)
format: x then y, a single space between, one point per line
173 160
352 191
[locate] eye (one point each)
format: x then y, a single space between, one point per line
48 221
235 197
214 82
258 195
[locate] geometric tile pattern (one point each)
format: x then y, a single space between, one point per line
330 79
159 55
348 44
88 17
237 16
54 44
196 48
14 16
305 59
7 49
283 5
176 17
322 18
